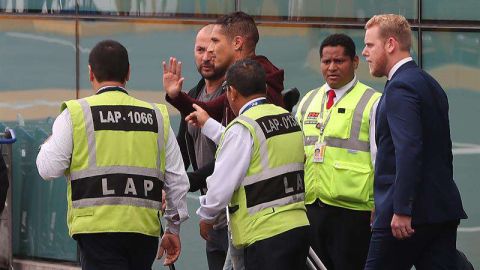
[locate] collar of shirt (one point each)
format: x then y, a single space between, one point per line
111 86
250 102
342 90
397 66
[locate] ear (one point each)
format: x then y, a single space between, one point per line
233 93
128 74
238 43
91 77
356 60
391 44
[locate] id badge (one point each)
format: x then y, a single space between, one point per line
319 152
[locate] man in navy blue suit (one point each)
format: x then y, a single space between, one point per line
417 203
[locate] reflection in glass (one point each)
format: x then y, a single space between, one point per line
453 58
37 75
296 9
37 6
450 10
156 7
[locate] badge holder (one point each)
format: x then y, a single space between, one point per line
319 152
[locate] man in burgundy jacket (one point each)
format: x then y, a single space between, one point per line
234 37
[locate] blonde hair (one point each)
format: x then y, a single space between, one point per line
392 25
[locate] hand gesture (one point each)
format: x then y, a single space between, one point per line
401 226
170 244
172 77
198 117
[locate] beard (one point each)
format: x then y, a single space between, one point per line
216 72
378 69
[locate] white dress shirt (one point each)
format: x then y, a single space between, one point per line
231 165
339 94
397 66
55 156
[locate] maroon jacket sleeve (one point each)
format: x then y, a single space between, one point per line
184 103
274 80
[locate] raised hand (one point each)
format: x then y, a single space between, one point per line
172 77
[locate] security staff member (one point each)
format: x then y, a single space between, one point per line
338 126
118 153
259 170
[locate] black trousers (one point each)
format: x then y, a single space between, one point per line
217 248
286 251
119 251
431 247
339 236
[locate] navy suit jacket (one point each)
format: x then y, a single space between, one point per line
413 167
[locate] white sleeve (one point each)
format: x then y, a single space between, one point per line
231 167
213 130
176 186
373 144
56 152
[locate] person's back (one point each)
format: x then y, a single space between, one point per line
258 174
118 153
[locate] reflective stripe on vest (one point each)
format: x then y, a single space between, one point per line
345 177
86 184
270 199
288 177
92 153
353 143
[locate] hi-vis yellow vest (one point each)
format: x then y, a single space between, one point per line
117 169
270 200
345 177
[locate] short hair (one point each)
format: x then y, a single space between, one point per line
109 61
240 24
339 40
392 25
248 77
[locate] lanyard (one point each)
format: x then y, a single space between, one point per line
253 104
320 124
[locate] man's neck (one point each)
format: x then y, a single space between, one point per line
395 59
244 54
212 85
99 85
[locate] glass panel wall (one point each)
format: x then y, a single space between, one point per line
352 9
464 10
37 73
453 59
38 6
156 7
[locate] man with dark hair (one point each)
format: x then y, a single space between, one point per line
196 148
118 153
258 174
338 126
233 38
